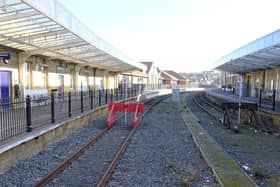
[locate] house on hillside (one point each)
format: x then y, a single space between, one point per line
153 73
172 78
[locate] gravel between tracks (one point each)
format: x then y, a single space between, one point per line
162 153
29 171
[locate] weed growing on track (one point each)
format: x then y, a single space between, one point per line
167 107
184 183
188 176
259 172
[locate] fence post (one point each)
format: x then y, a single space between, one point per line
116 93
94 96
106 96
99 98
82 102
91 99
260 98
52 107
69 105
273 99
121 93
28 114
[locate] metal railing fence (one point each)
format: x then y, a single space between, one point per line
21 115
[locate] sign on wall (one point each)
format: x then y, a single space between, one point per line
60 70
5 56
83 73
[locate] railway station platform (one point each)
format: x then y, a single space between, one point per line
269 115
229 96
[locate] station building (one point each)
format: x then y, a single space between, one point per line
44 47
257 64
152 72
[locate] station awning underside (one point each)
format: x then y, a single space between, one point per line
45 27
260 54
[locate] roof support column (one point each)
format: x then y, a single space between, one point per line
264 79
76 78
253 87
94 78
22 57
116 80
277 86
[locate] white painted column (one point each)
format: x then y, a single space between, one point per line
22 57
253 80
265 79
77 85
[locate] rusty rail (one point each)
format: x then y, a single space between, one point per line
56 171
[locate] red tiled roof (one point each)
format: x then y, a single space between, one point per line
165 76
136 73
149 65
174 74
158 70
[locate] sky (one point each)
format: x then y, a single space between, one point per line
179 35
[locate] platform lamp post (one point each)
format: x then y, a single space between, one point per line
240 97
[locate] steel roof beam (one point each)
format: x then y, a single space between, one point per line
28 29
45 34
249 64
17 26
91 55
53 41
4 5
67 45
20 21
102 58
13 11
101 61
82 52
19 16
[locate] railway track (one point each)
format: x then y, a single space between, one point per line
93 163
212 110
217 113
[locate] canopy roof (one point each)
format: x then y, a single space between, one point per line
262 53
45 27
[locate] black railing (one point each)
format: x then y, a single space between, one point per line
23 115
265 98
13 118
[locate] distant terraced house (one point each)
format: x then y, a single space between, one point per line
169 77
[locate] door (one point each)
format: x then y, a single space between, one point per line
4 88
